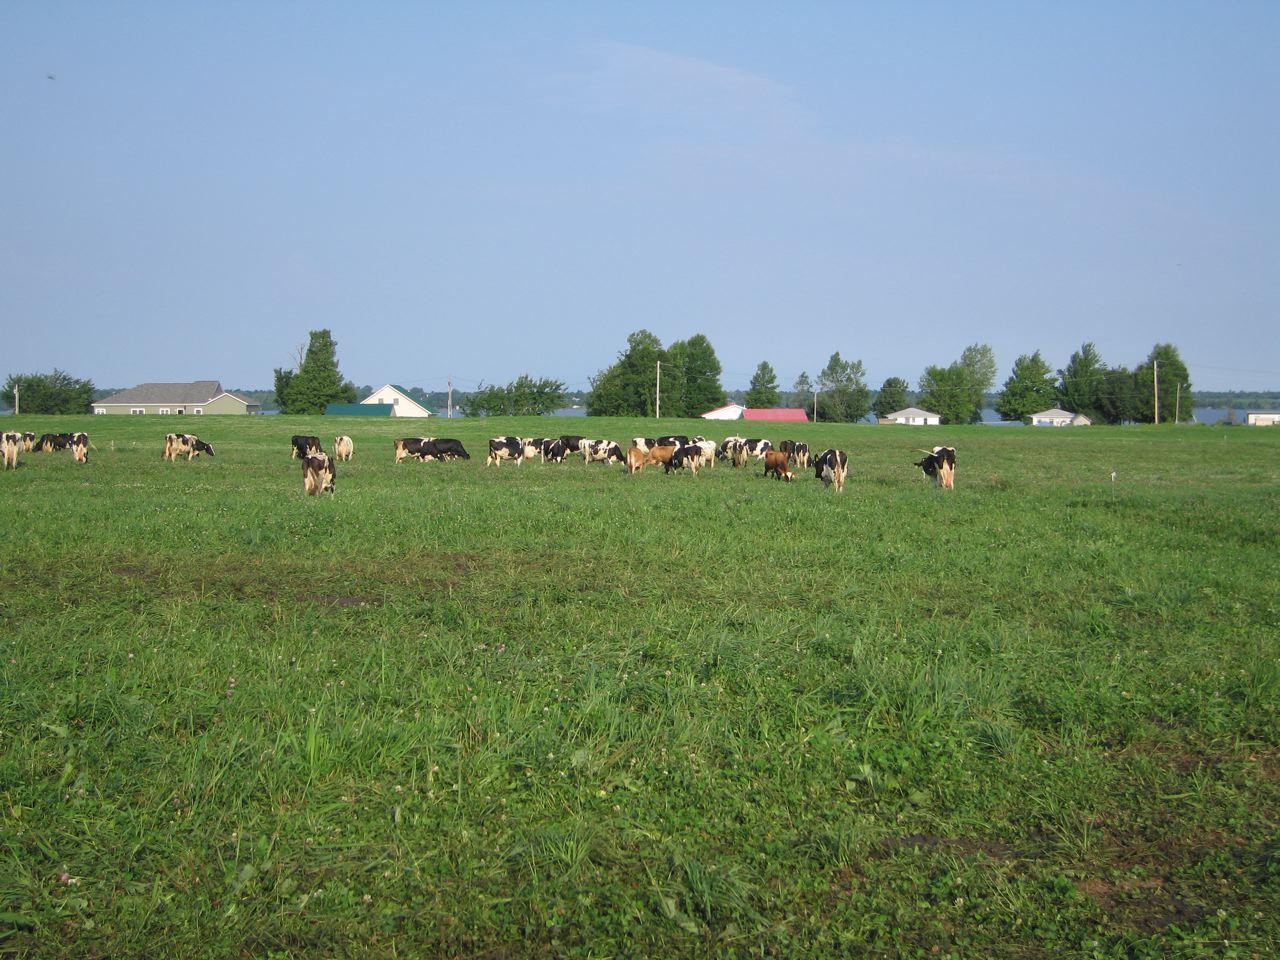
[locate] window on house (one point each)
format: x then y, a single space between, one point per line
197 411
98 410
163 410
138 410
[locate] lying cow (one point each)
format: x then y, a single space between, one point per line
305 446
779 464
344 448
10 444
596 451
319 474
940 463
832 466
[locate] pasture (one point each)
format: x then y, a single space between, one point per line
556 710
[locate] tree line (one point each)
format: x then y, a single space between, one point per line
684 379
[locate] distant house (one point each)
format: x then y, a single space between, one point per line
200 397
913 416
1262 418
1059 418
736 411
359 410
398 398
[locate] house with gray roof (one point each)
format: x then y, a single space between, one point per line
197 398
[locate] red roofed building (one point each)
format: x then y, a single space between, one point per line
779 414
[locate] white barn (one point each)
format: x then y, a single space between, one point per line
1262 418
402 405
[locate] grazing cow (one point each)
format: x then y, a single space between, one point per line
643 443
688 456
676 441
447 448
554 450
758 448
636 459
28 441
504 448
832 466
797 451
594 451
572 442
179 443
777 463
79 445
531 449
50 442
940 463
305 446
660 455
733 449
708 448
319 474
343 448
10 443
410 447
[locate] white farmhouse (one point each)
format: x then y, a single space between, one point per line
402 405
913 416
1056 417
1262 418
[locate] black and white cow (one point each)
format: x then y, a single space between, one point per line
505 448
554 450
50 442
594 451
79 444
758 448
941 465
176 444
319 474
572 442
675 441
832 466
643 443
447 448
10 444
28 441
304 446
688 456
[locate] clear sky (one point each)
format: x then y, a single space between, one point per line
488 189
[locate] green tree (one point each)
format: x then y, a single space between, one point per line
627 389
979 363
522 397
317 382
1172 373
843 395
1115 397
701 368
763 390
56 392
675 400
1080 382
946 391
892 397
802 391
1029 389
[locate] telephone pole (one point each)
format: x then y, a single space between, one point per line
1177 407
815 406
449 415
1155 388
16 411
657 395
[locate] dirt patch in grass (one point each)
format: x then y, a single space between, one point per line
960 846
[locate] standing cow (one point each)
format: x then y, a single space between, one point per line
10 443
343 448
832 466
779 464
319 474
940 463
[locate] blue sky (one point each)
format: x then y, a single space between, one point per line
489 189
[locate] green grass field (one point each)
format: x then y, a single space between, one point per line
561 711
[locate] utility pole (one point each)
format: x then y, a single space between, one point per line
815 406
1177 407
16 411
657 395
450 407
1155 388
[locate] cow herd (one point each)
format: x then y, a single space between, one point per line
674 452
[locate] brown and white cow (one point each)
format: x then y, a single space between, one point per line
343 448
319 474
940 463
779 464
832 466
636 459
660 455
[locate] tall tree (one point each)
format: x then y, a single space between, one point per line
675 399
802 391
626 389
892 397
702 388
979 363
1080 381
1173 376
843 395
763 391
56 392
1116 395
317 381
946 391
1029 389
